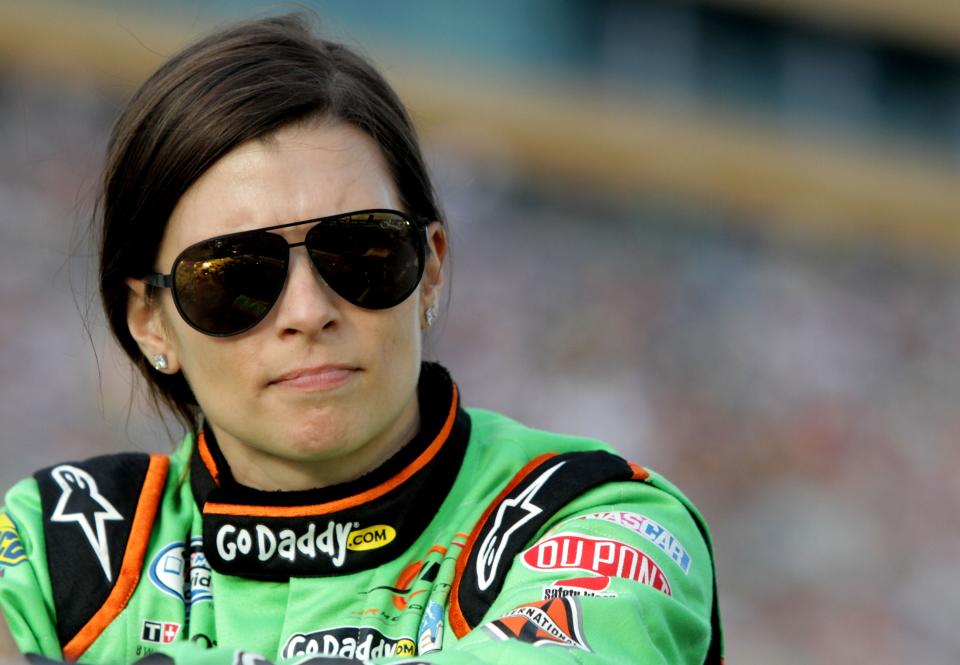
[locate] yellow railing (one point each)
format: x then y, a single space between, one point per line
930 24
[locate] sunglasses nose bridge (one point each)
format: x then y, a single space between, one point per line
306 303
317 280
303 243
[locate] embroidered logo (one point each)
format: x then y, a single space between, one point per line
11 549
514 512
181 574
430 635
649 529
554 622
371 538
81 502
350 642
602 556
159 632
267 545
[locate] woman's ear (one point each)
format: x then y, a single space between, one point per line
144 319
432 283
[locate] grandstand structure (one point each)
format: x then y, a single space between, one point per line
836 120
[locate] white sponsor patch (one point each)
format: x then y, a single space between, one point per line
81 502
430 635
555 622
360 643
649 529
511 515
159 632
266 544
173 566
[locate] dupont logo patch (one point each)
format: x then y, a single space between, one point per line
555 622
647 528
11 549
602 556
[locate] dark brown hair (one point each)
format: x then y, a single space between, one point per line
235 85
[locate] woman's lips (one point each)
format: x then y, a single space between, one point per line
316 378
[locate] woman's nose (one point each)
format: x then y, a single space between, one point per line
306 304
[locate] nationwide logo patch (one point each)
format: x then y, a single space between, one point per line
11 549
603 556
555 622
181 574
649 529
360 643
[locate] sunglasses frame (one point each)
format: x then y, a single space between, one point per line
166 281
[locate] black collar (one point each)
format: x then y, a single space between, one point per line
342 528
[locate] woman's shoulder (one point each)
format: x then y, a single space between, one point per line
93 493
600 473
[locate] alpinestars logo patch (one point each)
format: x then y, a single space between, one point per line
547 622
81 502
514 513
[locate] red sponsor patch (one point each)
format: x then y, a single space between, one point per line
554 622
603 556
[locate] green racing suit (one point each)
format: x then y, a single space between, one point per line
481 541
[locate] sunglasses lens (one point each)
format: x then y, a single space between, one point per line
225 286
373 260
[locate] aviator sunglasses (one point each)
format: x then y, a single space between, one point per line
226 285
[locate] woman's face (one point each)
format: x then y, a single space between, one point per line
351 400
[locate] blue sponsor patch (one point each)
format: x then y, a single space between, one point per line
430 635
649 529
12 552
182 574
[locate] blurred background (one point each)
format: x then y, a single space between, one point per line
722 235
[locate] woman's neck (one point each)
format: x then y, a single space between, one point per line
264 470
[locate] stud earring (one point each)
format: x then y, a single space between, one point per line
431 315
160 362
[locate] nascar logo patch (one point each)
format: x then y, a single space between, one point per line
649 529
11 549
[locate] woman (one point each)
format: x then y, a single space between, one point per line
272 250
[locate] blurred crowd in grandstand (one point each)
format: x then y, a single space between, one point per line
803 393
